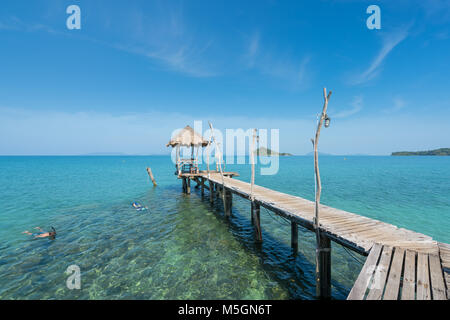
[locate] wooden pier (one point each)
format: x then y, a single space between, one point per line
395 255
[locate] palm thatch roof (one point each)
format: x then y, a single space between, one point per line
187 137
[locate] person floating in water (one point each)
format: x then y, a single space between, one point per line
138 206
42 234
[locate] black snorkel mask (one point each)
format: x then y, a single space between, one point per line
54 233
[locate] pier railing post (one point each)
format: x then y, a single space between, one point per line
256 221
323 286
294 236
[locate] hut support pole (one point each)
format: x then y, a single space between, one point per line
188 186
256 221
184 185
202 183
294 236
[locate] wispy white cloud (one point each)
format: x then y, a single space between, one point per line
162 35
356 106
292 70
252 49
16 24
390 41
398 103
172 43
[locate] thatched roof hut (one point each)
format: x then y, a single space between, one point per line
187 137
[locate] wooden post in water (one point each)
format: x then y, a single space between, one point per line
219 156
150 174
188 185
256 221
325 267
294 236
252 181
251 214
228 202
211 192
323 252
202 183
184 185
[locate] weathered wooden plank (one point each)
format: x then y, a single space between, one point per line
423 283
380 275
409 276
393 283
359 288
437 279
447 281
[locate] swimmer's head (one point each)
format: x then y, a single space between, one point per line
52 234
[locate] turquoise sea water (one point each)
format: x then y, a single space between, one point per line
181 248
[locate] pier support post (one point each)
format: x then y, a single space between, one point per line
323 284
183 185
188 186
228 202
294 236
202 185
251 214
256 221
211 192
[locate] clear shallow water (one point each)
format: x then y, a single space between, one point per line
181 248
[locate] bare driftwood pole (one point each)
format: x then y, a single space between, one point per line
252 153
150 174
226 203
207 159
323 284
255 207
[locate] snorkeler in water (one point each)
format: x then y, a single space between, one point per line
138 206
42 234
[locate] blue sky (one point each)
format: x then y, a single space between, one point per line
137 70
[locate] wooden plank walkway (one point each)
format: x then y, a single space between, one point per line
444 252
390 274
401 264
351 230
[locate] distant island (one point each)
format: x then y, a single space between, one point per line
267 152
437 152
